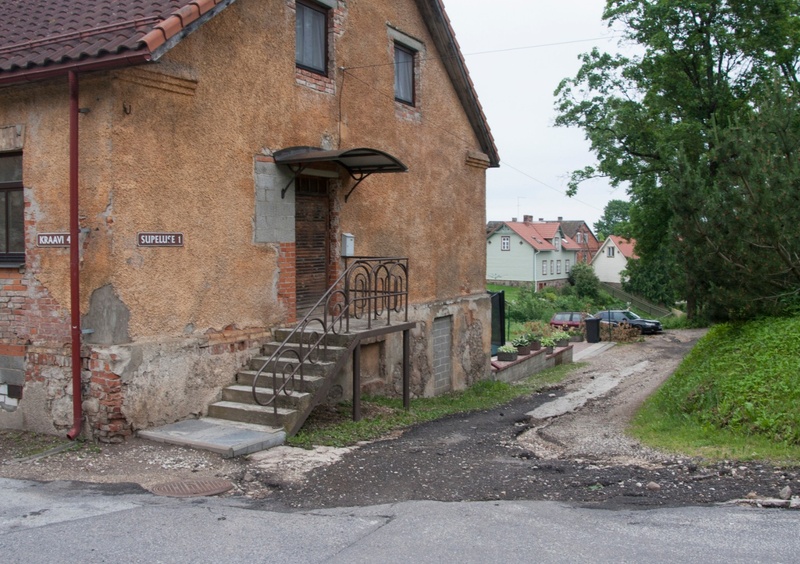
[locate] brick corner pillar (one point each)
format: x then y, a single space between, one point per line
287 288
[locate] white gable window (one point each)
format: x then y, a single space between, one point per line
505 243
610 252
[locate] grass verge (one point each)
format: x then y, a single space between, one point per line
735 396
333 425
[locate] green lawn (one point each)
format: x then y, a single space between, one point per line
736 395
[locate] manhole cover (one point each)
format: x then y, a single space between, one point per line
193 488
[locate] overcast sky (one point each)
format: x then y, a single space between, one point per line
532 46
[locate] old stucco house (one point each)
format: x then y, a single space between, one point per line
179 179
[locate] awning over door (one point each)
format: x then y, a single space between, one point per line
359 163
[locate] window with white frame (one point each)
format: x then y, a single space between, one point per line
505 243
558 267
610 251
566 266
311 36
552 267
544 268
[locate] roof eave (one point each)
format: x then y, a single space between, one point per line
35 74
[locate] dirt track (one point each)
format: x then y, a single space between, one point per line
582 456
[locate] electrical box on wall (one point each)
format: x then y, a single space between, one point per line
348 245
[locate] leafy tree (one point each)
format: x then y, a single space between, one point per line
665 123
585 281
615 220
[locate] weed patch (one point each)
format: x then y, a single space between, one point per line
333 425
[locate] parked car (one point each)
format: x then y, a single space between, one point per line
617 316
567 320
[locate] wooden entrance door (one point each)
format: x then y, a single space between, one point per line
311 241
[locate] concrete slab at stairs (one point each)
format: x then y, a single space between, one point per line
227 438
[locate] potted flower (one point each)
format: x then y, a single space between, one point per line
548 343
536 341
507 353
560 337
575 335
523 344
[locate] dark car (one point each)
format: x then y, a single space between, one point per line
617 316
567 320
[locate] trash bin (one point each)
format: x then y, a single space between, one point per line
592 330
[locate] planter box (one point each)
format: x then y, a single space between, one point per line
576 339
506 357
562 343
523 351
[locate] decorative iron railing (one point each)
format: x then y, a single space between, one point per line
371 289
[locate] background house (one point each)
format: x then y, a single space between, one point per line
580 234
529 252
612 258
207 145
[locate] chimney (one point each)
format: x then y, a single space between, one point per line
560 218
513 220
527 218
541 219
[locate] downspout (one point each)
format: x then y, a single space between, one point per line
74 259
535 284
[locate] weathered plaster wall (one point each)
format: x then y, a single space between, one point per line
173 146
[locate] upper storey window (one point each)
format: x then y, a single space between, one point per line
311 37
403 74
407 56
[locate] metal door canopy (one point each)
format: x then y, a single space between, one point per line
359 163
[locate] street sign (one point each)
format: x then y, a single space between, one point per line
52 240
159 239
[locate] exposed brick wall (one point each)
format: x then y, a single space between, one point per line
35 328
108 424
287 291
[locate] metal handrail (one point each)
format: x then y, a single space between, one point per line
368 288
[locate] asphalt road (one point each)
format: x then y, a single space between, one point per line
68 522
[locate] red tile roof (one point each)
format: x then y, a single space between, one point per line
41 38
531 235
625 246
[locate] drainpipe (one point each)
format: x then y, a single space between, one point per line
74 259
535 284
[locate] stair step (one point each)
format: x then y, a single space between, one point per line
339 340
309 383
244 394
328 353
251 413
310 369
